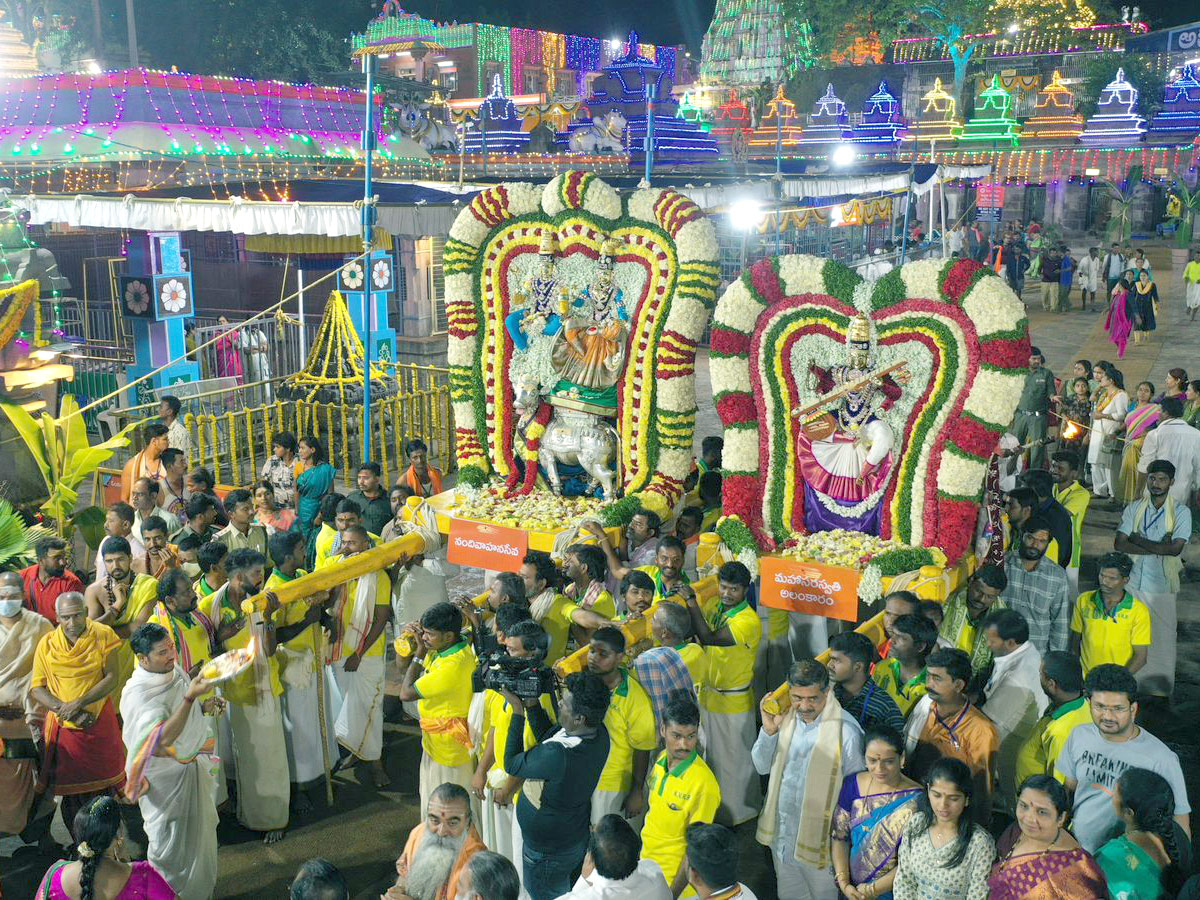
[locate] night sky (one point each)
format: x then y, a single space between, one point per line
663 21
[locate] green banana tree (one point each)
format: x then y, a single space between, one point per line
16 539
65 458
1120 222
1189 208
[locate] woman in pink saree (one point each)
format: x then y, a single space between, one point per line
1119 323
229 356
103 869
1039 858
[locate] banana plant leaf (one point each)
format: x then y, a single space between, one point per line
90 522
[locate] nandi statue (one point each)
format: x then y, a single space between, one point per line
414 121
605 135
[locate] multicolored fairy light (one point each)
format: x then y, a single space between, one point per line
1179 119
994 120
1054 118
938 120
828 122
499 118
1115 122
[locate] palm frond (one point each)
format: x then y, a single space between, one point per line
16 540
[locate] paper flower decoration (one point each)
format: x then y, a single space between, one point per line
352 275
173 295
137 297
381 274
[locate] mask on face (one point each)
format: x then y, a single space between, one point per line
192 570
10 607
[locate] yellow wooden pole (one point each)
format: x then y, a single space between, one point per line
335 574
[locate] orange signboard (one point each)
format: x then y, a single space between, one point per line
486 546
809 588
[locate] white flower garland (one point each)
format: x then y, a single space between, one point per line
960 476
870 584
802 274
993 307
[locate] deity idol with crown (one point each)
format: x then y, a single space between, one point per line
846 457
589 352
541 301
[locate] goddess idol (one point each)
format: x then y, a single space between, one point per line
846 458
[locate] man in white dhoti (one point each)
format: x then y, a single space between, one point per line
255 714
20 631
168 767
1154 530
355 657
308 689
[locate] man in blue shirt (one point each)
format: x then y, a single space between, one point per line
1154 530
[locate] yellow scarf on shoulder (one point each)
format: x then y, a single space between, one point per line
822 784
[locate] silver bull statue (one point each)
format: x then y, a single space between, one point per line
575 438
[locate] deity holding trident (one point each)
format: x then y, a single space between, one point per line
846 458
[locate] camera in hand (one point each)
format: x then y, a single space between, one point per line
526 678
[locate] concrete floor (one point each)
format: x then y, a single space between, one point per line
365 830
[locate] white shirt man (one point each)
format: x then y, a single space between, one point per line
1013 696
612 870
1179 443
168 767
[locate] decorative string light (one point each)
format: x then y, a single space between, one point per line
881 120
994 120
1115 121
1179 119
828 122
1030 41
1054 117
780 127
938 119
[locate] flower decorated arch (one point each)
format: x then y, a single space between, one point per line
668 275
965 339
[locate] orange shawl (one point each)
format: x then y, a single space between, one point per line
418 489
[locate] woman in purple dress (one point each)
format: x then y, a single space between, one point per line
103 868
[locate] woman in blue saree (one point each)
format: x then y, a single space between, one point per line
870 816
314 479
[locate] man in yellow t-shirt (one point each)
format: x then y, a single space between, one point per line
549 608
1062 682
682 789
902 675
730 634
631 731
361 610
1075 498
585 568
492 786
301 654
255 719
1111 625
438 677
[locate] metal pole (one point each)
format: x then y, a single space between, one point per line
483 120
912 174
368 223
651 91
131 33
778 142
300 315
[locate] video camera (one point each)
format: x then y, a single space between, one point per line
526 678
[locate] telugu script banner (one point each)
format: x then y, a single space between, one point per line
486 546
809 588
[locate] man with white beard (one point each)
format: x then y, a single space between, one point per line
437 850
169 770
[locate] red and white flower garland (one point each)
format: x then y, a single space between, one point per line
660 230
958 324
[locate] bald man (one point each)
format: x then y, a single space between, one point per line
74 673
20 631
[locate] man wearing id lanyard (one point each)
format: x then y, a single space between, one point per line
945 723
850 658
1154 530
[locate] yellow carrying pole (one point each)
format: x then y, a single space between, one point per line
635 630
332 576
